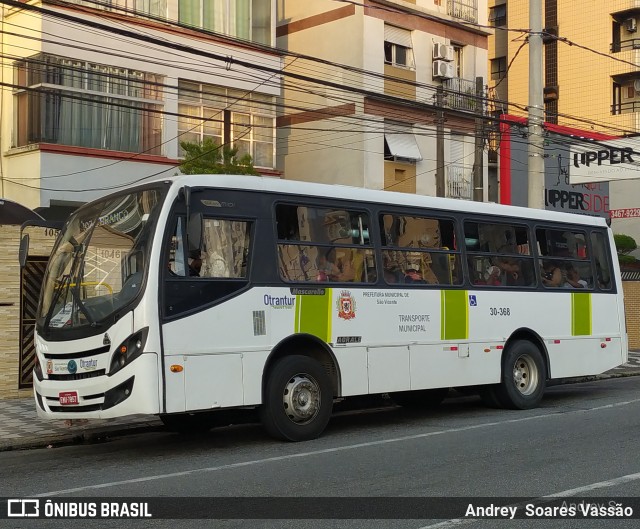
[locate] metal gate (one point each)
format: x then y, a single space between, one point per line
30 283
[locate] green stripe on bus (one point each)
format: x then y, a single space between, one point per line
454 312
313 315
581 314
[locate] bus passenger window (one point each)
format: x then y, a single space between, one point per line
601 254
225 249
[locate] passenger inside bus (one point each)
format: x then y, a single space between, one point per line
551 274
573 279
195 263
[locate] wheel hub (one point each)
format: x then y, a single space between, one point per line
301 398
525 375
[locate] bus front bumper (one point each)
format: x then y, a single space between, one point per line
132 390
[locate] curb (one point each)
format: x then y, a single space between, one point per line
102 433
95 435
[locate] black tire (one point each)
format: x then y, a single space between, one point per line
421 399
298 399
190 423
523 377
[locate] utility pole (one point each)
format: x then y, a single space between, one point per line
440 141
536 109
478 155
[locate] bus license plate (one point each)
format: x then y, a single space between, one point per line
68 398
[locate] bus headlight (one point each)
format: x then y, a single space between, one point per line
128 350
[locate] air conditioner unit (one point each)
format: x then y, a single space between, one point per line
442 51
630 24
636 85
443 69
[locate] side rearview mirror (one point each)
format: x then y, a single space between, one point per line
194 231
24 250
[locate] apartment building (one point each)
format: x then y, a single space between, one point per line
395 100
99 94
591 77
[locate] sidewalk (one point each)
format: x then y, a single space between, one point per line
20 427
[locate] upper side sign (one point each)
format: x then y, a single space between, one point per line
604 161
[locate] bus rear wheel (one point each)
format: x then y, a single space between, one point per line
298 399
523 377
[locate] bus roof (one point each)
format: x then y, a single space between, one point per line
297 187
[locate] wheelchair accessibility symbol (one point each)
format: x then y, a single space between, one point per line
472 301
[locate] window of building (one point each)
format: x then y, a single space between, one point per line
458 57
156 8
397 47
83 104
498 68
215 112
498 15
243 19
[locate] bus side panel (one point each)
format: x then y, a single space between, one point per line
353 370
453 364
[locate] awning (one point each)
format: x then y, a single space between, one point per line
13 213
403 146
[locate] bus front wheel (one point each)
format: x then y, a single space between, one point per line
298 399
523 377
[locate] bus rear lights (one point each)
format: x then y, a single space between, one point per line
556 341
128 350
607 339
603 345
175 368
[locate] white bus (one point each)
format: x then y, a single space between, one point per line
203 293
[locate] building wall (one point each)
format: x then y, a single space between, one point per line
75 168
632 311
584 79
40 244
350 151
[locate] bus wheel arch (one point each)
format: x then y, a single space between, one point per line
525 370
299 383
306 345
529 335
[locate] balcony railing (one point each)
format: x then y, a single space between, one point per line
625 108
628 44
463 9
460 94
459 178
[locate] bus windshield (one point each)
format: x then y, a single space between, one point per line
99 261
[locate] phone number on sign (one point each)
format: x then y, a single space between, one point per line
625 213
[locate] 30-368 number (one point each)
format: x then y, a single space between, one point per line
500 311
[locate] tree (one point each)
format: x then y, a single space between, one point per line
209 158
625 244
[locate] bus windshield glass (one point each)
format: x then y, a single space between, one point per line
99 261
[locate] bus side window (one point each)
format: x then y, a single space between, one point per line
603 273
176 262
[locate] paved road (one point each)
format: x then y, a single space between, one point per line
582 441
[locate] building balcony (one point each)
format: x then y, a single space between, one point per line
628 107
620 6
458 181
460 94
629 44
466 10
